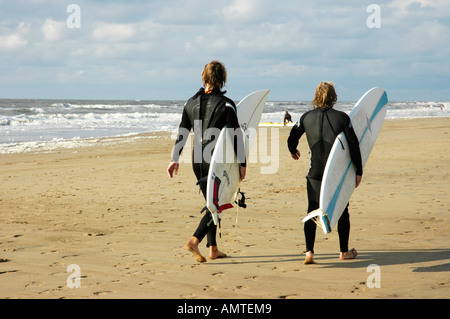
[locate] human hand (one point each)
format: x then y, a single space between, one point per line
296 156
242 171
358 180
172 168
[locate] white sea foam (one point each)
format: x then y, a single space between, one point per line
64 144
27 125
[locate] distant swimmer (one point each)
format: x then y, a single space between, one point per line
287 118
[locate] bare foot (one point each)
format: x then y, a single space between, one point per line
192 246
351 254
216 253
309 260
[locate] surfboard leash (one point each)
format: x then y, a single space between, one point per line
240 203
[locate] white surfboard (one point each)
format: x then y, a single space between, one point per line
339 178
223 176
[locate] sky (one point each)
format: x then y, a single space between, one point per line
156 50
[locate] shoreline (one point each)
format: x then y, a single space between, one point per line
36 147
77 143
112 210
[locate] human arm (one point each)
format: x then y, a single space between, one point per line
183 134
294 136
355 152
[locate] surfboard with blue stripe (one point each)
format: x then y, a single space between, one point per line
339 177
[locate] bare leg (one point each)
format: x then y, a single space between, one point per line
351 254
192 246
309 258
215 253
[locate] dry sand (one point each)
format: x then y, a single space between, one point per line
113 211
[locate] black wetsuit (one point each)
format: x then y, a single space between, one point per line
287 118
207 112
322 127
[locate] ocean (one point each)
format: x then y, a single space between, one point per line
45 125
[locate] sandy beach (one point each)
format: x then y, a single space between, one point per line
111 210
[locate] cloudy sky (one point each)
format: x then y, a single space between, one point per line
134 49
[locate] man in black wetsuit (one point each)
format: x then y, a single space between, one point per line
207 112
322 125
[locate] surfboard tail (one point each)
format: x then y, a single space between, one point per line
320 217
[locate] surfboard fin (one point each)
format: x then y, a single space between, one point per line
216 221
320 218
215 217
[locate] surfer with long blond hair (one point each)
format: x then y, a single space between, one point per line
321 126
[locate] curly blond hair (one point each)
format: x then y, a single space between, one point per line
325 96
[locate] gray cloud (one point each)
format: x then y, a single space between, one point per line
156 49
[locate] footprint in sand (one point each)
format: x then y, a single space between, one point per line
251 278
294 296
218 274
99 293
359 288
147 283
56 264
94 234
7 271
50 252
69 256
34 284
239 288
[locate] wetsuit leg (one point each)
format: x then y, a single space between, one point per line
206 226
310 234
313 188
344 230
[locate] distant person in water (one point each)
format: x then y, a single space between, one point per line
287 118
207 110
321 126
